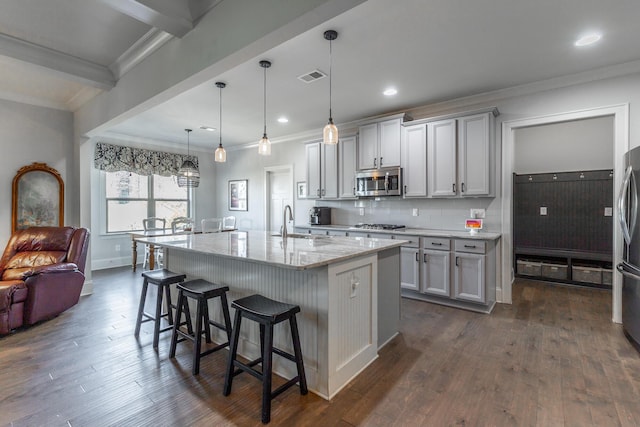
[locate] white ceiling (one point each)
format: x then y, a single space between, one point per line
431 51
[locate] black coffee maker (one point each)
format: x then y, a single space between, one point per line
320 215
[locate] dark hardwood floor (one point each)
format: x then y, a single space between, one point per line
553 358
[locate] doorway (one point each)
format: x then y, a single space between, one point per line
278 194
620 114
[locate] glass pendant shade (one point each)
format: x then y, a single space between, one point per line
330 133
264 146
188 174
220 155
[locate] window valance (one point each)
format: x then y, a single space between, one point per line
114 158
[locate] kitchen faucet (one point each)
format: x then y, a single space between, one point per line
284 221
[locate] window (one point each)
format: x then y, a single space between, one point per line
131 197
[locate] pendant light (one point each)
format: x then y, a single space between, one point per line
220 154
330 131
188 175
264 146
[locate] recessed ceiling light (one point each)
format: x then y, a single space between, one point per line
283 120
588 39
390 91
209 128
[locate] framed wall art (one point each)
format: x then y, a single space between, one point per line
238 195
37 197
301 190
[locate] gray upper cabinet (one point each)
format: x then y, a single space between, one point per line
414 160
322 171
460 156
379 144
347 161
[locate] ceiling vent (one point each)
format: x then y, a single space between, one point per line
312 76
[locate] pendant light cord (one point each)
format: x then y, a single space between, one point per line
265 101
220 115
330 78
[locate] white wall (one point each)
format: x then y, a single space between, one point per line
35 134
569 146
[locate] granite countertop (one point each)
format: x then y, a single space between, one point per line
263 247
423 232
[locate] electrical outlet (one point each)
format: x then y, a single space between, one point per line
543 210
117 248
477 213
416 212
361 211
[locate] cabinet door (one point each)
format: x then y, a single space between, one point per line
389 133
441 158
347 163
414 160
409 268
312 152
329 171
469 277
474 151
435 273
368 146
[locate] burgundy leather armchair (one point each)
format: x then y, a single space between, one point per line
42 273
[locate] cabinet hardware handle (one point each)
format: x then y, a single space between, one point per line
354 191
375 162
405 189
380 161
454 187
470 246
457 261
462 187
417 260
424 258
436 244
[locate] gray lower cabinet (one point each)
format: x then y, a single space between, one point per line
410 267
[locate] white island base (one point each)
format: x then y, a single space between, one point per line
340 314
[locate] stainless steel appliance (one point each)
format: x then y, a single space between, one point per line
379 182
376 227
320 215
630 266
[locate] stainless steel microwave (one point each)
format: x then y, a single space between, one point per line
379 182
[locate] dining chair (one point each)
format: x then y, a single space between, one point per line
211 225
229 222
153 223
182 224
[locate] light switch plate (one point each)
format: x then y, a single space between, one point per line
608 211
543 210
361 211
416 211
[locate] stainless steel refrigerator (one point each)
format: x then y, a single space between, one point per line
630 266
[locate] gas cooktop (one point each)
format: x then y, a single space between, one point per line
377 226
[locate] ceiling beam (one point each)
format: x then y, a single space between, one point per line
69 66
172 16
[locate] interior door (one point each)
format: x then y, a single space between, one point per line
280 195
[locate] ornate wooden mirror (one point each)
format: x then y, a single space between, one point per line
38 197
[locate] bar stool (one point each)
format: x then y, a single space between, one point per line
202 291
267 313
162 279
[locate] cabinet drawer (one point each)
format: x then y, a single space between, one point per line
435 243
414 241
471 246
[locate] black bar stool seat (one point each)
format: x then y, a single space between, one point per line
267 313
201 291
163 279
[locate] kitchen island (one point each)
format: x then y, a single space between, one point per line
348 290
